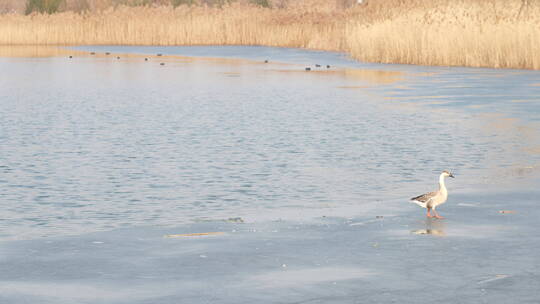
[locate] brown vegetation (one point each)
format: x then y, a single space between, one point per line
464 33
489 33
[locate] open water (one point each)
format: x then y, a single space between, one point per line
93 143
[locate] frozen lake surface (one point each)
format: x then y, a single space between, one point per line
101 157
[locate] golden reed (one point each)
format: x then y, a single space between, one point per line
476 33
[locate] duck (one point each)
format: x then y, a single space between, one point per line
431 200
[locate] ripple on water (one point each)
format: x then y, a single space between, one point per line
94 145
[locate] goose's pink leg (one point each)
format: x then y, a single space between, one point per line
428 212
437 215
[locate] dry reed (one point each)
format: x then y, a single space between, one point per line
479 33
452 33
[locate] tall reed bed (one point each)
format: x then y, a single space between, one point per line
488 33
234 24
500 34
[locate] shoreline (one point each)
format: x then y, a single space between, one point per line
37 50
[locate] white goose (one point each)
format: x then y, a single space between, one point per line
433 199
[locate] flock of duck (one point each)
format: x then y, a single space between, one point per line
162 63
118 57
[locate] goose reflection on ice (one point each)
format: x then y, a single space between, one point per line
431 226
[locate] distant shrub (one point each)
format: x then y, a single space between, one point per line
176 3
216 3
137 2
78 6
263 3
43 6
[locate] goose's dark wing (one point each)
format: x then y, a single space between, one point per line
424 197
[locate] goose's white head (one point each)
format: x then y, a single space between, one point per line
447 174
